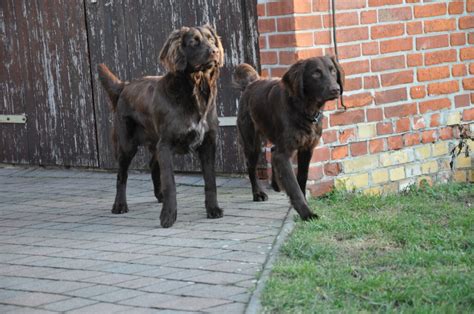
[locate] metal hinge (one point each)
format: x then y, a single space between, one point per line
12 118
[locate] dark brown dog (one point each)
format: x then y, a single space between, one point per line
175 113
288 113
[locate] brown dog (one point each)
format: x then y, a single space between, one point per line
288 113
175 113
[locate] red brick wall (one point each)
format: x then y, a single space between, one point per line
409 81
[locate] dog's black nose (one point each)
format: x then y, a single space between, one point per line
335 90
213 51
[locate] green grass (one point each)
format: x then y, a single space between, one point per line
410 253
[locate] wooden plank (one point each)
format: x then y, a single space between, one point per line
60 126
15 85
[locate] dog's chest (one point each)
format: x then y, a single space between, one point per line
191 137
307 137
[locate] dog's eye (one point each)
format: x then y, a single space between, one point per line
196 41
317 74
210 39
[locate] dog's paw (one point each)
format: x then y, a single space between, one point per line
310 216
260 197
120 208
168 218
214 212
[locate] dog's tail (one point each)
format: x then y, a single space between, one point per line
244 74
111 83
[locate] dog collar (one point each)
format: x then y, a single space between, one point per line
317 117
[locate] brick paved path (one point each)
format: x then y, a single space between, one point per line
61 250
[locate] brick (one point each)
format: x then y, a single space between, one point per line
394 158
463 162
353 182
329 136
366 130
395 142
368 17
355 67
375 114
349 51
322 38
397 174
278 72
352 34
417 92
432 42
288 7
378 3
358 100
287 57
428 10
437 57
384 128
377 145
388 63
461 101
388 30
321 188
429 167
376 190
379 176
434 105
268 57
332 169
443 88
347 117
261 9
395 45
352 84
456 7
342 19
414 28
262 42
457 39
266 25
453 118
411 139
466 22
389 96
423 152
346 5
371 82
470 38
468 115
468 83
446 133
320 6
414 60
285 24
435 120
470 6
471 68
347 135
291 40
428 136
432 73
315 173
459 70
397 78
370 48
358 148
309 53
460 176
402 125
400 110
466 53
412 170
360 164
440 25
419 123
395 14
339 152
320 154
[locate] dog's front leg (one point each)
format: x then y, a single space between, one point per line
287 178
168 186
304 157
207 155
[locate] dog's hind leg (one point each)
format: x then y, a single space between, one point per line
155 174
125 156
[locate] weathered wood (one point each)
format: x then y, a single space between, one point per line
51 51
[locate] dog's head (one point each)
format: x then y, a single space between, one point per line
316 79
193 49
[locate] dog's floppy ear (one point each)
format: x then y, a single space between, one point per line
217 39
340 73
293 79
171 55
